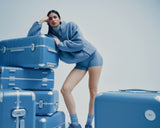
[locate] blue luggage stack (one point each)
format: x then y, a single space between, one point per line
27 95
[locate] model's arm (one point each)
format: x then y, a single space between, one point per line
36 27
75 43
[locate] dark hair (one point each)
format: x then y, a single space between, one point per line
54 11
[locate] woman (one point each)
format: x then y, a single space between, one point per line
73 48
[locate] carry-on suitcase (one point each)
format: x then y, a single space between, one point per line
30 79
47 102
57 120
127 109
17 109
30 52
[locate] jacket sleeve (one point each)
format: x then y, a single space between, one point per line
35 29
75 43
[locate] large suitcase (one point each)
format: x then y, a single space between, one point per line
17 109
127 109
57 120
30 52
47 102
31 79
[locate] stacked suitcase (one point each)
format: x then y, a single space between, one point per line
27 95
131 108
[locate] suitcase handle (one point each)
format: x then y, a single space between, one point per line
16 88
138 90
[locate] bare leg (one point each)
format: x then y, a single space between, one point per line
71 81
94 74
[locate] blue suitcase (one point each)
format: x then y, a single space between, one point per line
30 52
31 79
57 120
47 102
127 109
17 109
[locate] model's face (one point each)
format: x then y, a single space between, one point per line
53 20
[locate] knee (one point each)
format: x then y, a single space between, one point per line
65 90
93 92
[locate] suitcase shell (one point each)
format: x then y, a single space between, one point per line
17 109
29 79
127 109
47 102
30 52
57 120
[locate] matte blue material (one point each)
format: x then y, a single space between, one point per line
30 52
94 60
127 109
9 103
57 120
73 46
31 79
47 102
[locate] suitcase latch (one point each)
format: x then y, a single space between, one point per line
44 79
41 104
1 69
4 49
11 78
18 112
33 47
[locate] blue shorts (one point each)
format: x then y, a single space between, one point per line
94 60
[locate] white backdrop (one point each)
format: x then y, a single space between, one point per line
126 33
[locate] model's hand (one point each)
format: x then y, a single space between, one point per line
44 19
56 41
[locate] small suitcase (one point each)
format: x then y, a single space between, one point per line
57 120
47 102
127 109
29 79
29 52
17 109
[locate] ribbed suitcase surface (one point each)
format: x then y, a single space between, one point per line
30 52
47 102
30 79
17 109
127 109
57 120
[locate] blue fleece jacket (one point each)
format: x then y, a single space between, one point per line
73 48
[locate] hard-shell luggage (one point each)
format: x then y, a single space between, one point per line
47 102
30 79
127 109
30 52
17 109
57 120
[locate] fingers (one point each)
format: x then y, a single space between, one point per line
44 19
56 40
